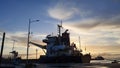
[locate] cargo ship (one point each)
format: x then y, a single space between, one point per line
58 49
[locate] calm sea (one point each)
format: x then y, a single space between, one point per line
93 64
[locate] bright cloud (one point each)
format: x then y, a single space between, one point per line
62 12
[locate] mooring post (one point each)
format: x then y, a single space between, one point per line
2 47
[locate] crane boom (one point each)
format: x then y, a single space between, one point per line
38 45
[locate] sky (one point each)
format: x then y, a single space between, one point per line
96 22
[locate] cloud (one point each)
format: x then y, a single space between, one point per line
103 49
96 31
61 11
21 38
84 24
113 22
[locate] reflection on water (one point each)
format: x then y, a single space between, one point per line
100 61
93 64
71 65
60 65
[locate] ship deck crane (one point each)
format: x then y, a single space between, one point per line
40 46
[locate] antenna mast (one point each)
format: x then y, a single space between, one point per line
59 28
79 44
13 45
59 31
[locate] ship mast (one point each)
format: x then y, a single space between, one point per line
59 32
59 29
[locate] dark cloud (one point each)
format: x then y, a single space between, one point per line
96 23
20 39
115 21
86 25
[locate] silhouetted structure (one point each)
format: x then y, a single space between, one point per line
59 49
2 47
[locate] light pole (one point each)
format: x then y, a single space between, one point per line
29 36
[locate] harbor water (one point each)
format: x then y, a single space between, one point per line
93 64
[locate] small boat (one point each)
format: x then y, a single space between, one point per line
115 61
98 58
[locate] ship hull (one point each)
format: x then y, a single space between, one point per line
65 59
